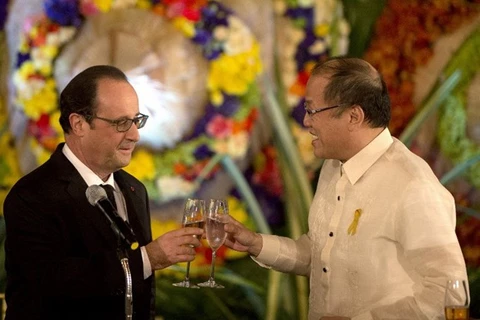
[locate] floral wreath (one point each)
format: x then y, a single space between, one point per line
317 31
417 51
9 165
234 63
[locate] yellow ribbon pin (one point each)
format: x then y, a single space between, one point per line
353 226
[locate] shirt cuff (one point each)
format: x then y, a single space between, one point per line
147 267
270 251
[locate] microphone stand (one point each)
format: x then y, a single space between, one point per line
123 244
122 255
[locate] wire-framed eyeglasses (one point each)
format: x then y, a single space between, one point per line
311 112
124 124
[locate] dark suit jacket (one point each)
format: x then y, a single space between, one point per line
61 257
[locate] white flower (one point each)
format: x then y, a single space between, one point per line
292 100
172 187
27 88
318 47
65 34
342 46
41 57
239 37
220 33
238 145
343 27
325 11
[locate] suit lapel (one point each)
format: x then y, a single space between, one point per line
92 216
86 214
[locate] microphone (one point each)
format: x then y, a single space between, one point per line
97 197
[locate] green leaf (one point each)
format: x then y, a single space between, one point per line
433 101
362 16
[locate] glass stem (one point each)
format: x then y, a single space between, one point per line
212 268
187 274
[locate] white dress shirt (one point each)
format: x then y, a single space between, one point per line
91 178
396 262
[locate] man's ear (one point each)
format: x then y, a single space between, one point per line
357 116
78 124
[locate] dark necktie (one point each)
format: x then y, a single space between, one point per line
110 194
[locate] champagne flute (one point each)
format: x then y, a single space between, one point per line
457 300
214 232
193 216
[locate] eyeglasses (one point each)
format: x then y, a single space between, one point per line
311 112
123 125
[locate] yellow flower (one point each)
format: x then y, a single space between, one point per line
216 97
54 122
26 69
40 153
103 5
142 165
10 158
322 30
160 227
144 4
43 101
23 47
237 210
184 25
234 73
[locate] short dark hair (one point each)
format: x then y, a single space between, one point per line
355 81
80 94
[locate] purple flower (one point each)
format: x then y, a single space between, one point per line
3 13
201 124
21 58
203 152
230 105
214 15
298 113
202 37
304 16
63 12
212 54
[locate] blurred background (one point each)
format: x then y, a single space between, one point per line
223 84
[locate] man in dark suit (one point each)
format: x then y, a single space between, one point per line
62 257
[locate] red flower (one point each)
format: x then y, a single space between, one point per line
220 127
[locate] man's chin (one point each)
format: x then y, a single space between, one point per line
124 160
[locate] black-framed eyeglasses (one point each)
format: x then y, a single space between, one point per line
311 112
123 125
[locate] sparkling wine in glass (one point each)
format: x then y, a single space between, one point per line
193 216
457 300
217 216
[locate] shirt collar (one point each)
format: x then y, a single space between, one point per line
356 166
87 174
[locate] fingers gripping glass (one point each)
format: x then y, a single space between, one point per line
193 216
123 125
311 112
